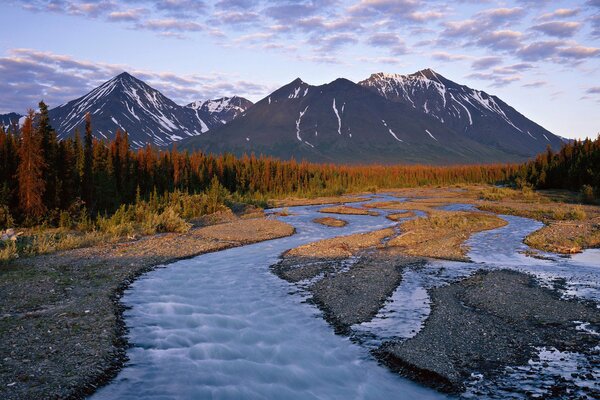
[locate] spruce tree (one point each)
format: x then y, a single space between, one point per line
50 153
87 183
30 171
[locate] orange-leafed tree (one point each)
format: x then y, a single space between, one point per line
30 170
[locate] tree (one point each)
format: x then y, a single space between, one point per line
30 171
50 154
87 183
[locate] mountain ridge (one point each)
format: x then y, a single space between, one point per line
342 122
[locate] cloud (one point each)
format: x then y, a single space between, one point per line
578 52
558 51
384 39
593 3
444 56
560 13
395 26
539 50
180 8
131 15
30 76
535 84
486 62
560 29
334 42
501 15
171 25
595 22
394 8
593 90
496 80
501 40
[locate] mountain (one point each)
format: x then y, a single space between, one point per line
473 113
6 120
343 122
225 109
127 103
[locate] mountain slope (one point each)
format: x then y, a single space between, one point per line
6 120
225 109
473 113
129 104
342 122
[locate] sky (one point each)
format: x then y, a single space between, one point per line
540 56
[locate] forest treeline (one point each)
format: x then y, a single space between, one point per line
42 177
576 166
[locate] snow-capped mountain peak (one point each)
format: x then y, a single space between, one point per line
225 109
127 103
473 112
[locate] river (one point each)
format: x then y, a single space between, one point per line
222 326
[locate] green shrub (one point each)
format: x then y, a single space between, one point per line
170 221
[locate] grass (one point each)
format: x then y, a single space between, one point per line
170 212
442 233
399 216
569 228
502 193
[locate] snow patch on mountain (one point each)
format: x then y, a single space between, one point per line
337 115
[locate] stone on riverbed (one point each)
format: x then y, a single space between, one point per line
485 323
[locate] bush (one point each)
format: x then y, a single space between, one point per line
587 194
170 221
8 251
65 220
577 213
6 220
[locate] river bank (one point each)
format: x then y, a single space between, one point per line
61 321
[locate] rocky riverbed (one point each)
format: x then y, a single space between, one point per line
490 321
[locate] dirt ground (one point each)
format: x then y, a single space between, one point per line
341 246
61 326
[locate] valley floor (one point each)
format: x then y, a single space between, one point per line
61 320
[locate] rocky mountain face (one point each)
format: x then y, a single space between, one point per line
131 105
387 118
225 109
345 122
472 113
7 120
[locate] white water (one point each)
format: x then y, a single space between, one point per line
221 325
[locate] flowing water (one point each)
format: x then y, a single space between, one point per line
222 326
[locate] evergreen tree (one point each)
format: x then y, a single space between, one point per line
49 152
30 171
87 182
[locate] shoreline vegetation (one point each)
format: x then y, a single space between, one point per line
57 195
